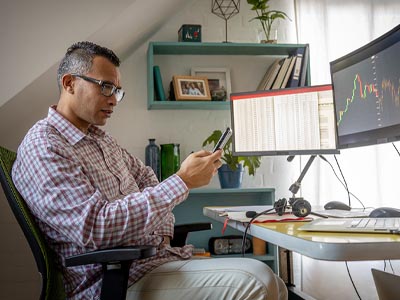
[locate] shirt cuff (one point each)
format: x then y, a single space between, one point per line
177 188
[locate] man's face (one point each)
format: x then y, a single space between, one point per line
89 106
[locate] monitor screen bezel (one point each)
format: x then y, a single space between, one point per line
374 136
285 152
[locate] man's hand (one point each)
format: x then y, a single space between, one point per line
199 167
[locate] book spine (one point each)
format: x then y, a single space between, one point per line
289 72
304 66
294 80
158 86
274 73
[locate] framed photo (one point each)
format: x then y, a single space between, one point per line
191 88
219 81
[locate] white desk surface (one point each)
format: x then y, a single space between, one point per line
320 245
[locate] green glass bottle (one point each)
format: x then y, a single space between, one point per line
170 160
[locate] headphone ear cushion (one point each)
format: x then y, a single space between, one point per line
280 206
301 208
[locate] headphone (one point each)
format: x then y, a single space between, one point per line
300 207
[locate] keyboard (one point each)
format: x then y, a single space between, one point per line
376 223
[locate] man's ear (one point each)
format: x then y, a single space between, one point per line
68 83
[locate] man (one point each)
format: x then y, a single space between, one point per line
88 193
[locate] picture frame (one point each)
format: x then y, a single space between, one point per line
191 88
219 81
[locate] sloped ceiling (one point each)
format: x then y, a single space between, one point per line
35 34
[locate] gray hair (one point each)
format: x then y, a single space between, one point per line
79 59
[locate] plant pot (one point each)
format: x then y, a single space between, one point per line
229 179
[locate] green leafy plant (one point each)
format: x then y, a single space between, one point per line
266 16
251 162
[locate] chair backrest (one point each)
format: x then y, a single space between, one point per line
52 283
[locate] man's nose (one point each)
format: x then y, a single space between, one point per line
112 100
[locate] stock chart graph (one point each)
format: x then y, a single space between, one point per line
367 94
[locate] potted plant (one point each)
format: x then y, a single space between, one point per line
266 17
231 172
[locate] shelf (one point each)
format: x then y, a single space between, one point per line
217 105
186 48
167 51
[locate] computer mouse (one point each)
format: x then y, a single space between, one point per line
385 212
336 205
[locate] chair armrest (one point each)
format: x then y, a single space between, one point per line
111 255
185 228
181 232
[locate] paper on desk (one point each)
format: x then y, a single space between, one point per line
337 213
241 217
256 208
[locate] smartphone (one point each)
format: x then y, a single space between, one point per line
223 139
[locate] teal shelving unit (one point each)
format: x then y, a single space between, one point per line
191 211
180 49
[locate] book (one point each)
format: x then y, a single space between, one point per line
158 86
289 72
304 66
295 76
274 73
282 72
267 75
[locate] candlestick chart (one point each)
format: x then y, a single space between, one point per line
367 94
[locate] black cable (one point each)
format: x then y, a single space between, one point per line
248 226
344 180
352 282
396 149
346 188
391 266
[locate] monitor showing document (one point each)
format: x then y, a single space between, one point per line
284 122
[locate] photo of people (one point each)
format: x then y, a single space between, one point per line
191 88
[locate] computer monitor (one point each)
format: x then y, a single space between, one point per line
284 122
366 88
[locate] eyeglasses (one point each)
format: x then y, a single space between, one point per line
107 88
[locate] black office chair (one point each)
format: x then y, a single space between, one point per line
115 278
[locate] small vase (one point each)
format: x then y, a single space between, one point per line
272 39
229 179
170 160
153 157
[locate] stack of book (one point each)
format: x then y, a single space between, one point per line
287 72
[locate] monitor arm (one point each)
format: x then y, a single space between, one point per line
294 188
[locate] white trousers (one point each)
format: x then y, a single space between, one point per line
216 278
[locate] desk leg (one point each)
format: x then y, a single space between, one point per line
286 273
286 266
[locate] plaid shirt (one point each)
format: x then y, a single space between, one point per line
88 193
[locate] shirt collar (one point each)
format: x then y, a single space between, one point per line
72 134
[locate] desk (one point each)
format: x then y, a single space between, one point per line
321 245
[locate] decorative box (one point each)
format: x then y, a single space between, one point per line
230 244
189 33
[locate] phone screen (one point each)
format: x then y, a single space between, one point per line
223 139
